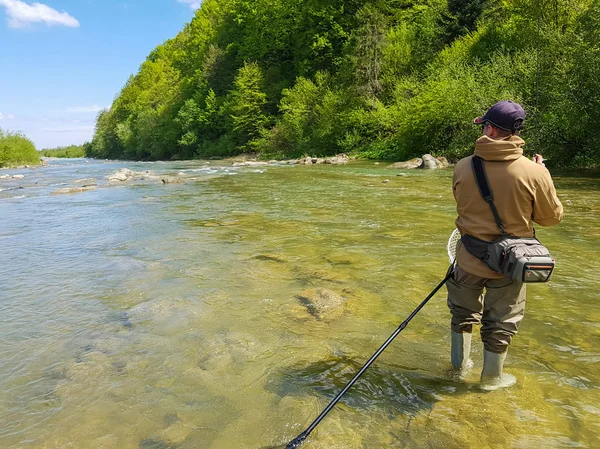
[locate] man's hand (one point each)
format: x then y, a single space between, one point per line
538 159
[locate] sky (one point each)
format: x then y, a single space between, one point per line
62 61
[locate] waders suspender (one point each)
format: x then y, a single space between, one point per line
484 189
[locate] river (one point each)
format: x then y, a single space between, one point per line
147 315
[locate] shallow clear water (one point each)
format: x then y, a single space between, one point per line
226 311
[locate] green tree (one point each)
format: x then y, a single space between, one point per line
246 104
368 58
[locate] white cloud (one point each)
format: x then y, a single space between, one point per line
194 4
21 14
6 116
93 108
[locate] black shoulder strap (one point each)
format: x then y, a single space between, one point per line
484 189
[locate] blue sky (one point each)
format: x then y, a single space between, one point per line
63 60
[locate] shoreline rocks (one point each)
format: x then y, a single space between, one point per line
250 161
427 162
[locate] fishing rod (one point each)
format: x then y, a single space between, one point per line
451 247
296 442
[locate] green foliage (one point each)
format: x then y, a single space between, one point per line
245 105
71 151
16 149
379 79
461 17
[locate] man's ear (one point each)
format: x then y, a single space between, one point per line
496 132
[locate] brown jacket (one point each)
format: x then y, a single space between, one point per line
523 193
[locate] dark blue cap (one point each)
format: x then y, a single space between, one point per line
506 115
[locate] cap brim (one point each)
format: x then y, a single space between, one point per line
478 121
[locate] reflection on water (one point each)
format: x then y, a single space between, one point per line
226 310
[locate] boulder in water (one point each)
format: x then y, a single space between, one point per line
442 162
85 182
323 304
172 180
426 161
122 175
429 162
70 190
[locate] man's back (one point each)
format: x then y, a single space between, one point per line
523 193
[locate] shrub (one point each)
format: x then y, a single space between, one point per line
16 149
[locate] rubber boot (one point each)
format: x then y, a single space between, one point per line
492 376
460 349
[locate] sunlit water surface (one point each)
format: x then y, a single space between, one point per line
152 316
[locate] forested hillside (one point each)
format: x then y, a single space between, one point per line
387 79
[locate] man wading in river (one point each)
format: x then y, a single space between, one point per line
523 193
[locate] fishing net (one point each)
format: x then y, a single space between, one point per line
452 243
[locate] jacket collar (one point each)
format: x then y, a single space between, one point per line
507 149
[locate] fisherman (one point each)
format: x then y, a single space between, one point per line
523 194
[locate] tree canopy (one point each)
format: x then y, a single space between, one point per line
385 79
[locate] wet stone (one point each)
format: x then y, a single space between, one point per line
270 258
151 443
170 419
323 304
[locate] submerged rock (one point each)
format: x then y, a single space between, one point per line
85 182
152 443
270 257
323 304
127 175
70 190
172 180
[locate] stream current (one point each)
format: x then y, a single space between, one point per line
225 308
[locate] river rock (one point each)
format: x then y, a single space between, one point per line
338 159
323 304
429 162
18 176
172 180
70 190
4 176
122 175
413 163
85 182
442 162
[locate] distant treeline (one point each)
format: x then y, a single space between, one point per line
71 151
384 79
16 150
